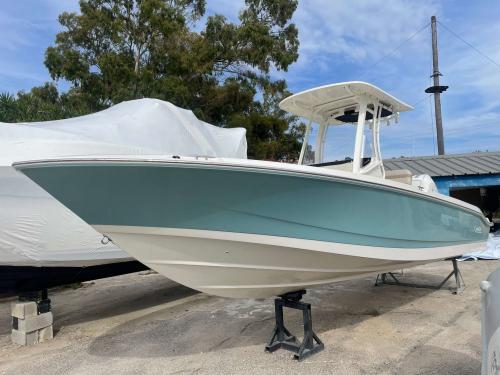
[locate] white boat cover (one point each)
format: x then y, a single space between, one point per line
492 250
35 229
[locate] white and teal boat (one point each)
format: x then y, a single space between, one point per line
246 228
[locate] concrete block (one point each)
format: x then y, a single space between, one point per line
45 334
34 323
24 338
22 310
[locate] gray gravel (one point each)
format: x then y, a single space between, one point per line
145 324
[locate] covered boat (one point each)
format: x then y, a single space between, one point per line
42 243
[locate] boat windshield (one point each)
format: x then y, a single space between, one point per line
338 145
309 149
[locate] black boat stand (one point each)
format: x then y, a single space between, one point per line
383 278
282 338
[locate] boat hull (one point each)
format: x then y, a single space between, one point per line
255 266
247 229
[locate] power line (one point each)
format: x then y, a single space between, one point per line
469 44
414 105
395 49
453 132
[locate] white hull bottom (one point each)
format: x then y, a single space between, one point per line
255 266
67 257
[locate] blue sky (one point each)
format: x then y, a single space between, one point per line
341 40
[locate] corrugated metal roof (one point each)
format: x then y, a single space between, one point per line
448 165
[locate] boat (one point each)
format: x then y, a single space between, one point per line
255 229
42 243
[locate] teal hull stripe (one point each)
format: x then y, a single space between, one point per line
250 201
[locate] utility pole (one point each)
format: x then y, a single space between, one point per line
436 89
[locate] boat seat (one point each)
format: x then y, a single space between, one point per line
399 175
347 167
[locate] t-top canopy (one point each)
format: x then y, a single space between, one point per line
336 103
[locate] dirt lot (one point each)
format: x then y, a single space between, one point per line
145 324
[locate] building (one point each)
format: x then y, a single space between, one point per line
474 177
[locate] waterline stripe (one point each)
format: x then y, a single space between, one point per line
372 252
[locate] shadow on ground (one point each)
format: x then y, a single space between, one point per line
214 323
438 361
118 301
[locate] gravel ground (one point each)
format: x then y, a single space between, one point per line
144 324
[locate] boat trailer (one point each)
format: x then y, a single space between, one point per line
282 338
389 278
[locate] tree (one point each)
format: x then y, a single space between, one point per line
8 108
115 50
42 103
272 133
270 138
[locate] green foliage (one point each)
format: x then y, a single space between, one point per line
115 50
269 138
42 103
8 108
272 133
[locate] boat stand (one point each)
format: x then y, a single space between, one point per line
32 320
41 297
389 278
282 338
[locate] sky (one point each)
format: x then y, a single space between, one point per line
341 40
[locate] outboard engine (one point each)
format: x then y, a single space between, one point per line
424 183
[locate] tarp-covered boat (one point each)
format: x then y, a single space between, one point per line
42 243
